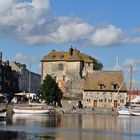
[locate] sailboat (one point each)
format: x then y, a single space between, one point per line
126 111
135 103
31 109
135 113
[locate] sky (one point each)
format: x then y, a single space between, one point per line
107 30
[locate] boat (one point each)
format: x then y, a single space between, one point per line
37 104
2 113
124 111
135 112
31 110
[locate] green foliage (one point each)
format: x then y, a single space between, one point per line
97 65
49 90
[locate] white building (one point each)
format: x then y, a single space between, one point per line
28 81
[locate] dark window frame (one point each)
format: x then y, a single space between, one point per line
60 67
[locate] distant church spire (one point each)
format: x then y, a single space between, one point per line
117 66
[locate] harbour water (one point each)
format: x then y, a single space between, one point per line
70 127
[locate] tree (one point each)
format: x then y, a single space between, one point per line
96 64
50 91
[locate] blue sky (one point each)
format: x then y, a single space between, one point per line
103 29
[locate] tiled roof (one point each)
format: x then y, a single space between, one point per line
66 56
106 78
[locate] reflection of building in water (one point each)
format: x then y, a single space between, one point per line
89 127
75 127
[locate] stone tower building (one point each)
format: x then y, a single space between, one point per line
68 69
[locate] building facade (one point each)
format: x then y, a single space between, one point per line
28 81
8 78
68 69
104 89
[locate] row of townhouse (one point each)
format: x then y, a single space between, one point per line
28 81
15 77
8 78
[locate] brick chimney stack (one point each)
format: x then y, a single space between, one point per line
71 51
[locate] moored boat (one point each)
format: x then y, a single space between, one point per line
135 112
3 113
31 110
124 112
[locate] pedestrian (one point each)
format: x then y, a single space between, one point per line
112 109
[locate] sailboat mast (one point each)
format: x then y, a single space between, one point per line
29 79
131 69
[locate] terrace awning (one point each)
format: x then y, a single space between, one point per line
1 95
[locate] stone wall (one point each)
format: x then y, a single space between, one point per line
70 75
104 99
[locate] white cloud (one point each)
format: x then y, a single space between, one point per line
35 23
5 5
131 62
106 36
19 57
131 40
21 17
68 29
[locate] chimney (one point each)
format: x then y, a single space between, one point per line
7 63
0 57
71 51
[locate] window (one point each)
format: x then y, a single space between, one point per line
88 100
115 86
121 101
109 100
100 100
63 77
60 66
88 64
53 56
101 86
62 56
54 78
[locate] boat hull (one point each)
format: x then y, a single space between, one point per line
3 114
135 113
30 111
124 112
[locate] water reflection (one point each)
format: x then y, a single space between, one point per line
70 126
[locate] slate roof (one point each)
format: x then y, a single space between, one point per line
65 56
107 78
